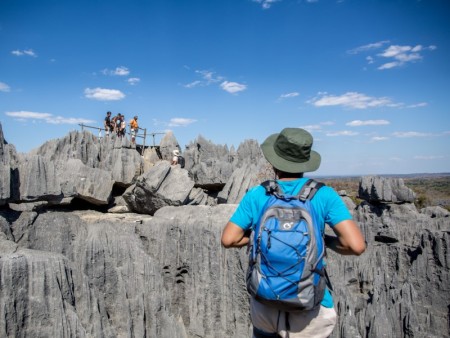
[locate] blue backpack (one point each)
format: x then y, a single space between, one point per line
286 250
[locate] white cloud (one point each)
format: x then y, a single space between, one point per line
208 77
398 54
379 138
4 87
193 84
312 127
389 65
232 87
46 117
342 133
317 127
368 47
358 123
102 94
427 158
28 52
133 80
405 134
350 100
29 115
402 55
180 122
421 104
289 95
266 4
119 71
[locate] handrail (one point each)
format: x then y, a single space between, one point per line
137 135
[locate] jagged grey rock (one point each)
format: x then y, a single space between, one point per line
38 179
162 185
210 165
167 145
90 184
114 154
385 189
243 178
150 157
101 275
9 189
119 206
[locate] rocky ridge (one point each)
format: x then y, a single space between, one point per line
156 269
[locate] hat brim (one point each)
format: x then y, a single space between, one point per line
288 166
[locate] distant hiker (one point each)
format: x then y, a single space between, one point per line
134 127
107 123
282 221
115 122
178 159
121 125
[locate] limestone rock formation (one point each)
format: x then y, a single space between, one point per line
384 189
161 186
167 145
101 275
210 165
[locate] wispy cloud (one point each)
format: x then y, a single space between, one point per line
266 4
351 100
119 71
46 117
402 55
288 95
428 158
180 122
28 52
4 87
405 134
395 55
133 81
317 127
358 123
416 105
233 87
102 94
368 47
379 138
207 78
342 133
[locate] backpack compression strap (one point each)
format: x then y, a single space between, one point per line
309 189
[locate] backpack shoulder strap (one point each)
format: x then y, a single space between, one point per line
273 188
309 189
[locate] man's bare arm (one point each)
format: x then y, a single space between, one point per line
349 240
234 236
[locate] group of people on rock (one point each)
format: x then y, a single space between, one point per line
118 125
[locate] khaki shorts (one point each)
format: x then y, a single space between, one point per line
316 323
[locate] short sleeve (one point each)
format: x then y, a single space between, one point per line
243 216
335 210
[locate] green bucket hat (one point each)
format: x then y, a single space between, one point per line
290 151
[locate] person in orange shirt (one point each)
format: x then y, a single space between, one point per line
134 129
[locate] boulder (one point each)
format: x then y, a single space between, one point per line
385 189
90 184
162 185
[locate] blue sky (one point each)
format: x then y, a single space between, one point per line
369 79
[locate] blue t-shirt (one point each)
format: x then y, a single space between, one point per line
327 205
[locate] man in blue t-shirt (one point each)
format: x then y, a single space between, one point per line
290 154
